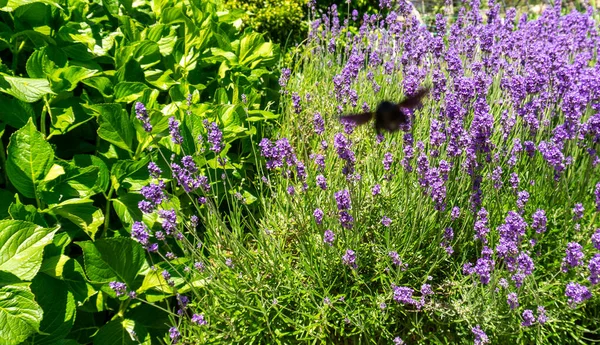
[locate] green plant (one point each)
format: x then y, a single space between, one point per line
73 156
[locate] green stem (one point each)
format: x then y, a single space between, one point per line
43 119
107 209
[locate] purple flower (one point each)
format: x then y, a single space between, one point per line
199 319
318 123
455 213
574 255
513 300
174 131
577 293
142 115
514 181
139 233
285 76
154 193
118 287
578 211
387 161
395 258
403 294
199 265
497 177
597 194
296 103
349 259
594 267
386 221
541 315
522 198
596 239
214 137
318 214
174 334
426 290
398 341
154 170
342 198
346 220
328 237
194 221
321 182
480 336
290 190
169 223
528 318
539 221
376 190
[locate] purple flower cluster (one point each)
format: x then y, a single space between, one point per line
142 114
480 336
119 288
574 255
328 237
278 153
174 131
214 137
349 259
577 293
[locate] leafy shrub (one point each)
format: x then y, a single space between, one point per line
282 20
75 80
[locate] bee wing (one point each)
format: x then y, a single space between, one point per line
414 100
357 119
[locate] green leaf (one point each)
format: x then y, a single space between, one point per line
20 315
29 213
115 125
29 159
122 332
74 276
76 182
45 61
126 207
103 175
58 305
15 112
100 83
61 119
127 91
22 246
67 78
113 259
12 5
25 89
130 174
82 212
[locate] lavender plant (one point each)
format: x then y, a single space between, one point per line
477 224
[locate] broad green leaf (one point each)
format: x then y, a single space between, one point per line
113 259
115 125
122 332
67 78
15 112
103 179
76 182
126 207
20 315
25 89
61 119
54 173
29 159
74 276
58 305
12 5
22 246
45 61
29 213
130 174
127 92
100 83
82 212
